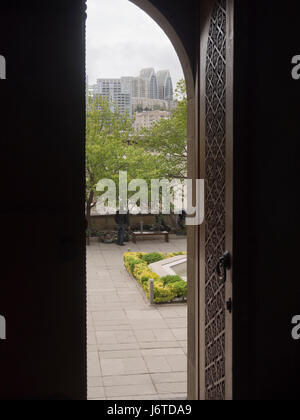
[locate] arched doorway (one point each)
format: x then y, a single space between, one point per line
193 240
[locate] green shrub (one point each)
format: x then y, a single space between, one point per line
167 288
171 279
132 262
145 279
163 295
140 255
180 288
152 258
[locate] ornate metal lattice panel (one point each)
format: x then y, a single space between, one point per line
215 203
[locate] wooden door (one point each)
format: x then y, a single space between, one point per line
216 154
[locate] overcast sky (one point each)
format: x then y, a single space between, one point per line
122 39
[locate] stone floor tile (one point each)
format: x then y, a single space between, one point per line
106 337
170 388
126 366
134 366
157 364
119 354
144 335
127 380
91 338
148 324
162 352
112 367
93 364
118 346
96 381
159 344
180 333
178 363
100 316
164 334
171 377
143 315
154 397
96 393
177 323
136 390
173 397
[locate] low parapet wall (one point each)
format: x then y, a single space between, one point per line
107 223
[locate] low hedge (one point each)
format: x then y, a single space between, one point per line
167 288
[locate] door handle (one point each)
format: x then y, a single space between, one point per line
223 265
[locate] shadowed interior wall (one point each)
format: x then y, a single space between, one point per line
42 287
266 185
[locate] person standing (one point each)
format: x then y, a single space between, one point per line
122 221
181 220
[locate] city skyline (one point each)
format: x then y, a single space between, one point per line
118 47
151 90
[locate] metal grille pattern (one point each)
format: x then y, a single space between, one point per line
215 203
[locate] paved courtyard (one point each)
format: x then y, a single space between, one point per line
135 351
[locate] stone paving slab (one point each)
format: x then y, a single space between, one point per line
135 351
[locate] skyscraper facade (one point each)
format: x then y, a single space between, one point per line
165 85
150 90
117 94
149 76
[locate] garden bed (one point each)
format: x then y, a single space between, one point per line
166 289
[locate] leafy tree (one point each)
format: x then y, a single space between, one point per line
167 138
111 147
106 134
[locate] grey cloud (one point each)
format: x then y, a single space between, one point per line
122 39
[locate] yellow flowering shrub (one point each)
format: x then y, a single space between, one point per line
139 269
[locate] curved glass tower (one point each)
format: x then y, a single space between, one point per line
149 76
165 85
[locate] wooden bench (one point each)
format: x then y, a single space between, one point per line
135 235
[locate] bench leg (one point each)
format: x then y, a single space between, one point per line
167 238
134 239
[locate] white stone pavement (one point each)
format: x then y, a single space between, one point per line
135 351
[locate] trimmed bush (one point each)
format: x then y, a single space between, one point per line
171 279
162 293
166 289
153 258
180 288
176 283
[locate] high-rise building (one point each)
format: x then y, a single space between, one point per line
116 92
165 85
150 85
136 86
149 76
128 83
140 87
148 91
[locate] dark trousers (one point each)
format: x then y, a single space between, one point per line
121 234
